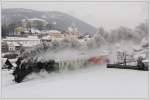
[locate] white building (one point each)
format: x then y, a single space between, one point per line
46 38
24 41
13 46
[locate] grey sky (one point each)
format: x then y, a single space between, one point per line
107 14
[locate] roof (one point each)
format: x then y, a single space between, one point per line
33 19
54 31
21 38
46 37
35 30
13 43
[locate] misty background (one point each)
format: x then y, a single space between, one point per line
114 21
110 15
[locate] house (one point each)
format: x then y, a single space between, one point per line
56 35
72 32
4 47
19 29
13 46
46 38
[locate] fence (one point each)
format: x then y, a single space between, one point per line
123 57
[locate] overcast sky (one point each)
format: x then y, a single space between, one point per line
107 14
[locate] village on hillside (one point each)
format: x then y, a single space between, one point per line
26 37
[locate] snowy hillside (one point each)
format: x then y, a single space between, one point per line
62 20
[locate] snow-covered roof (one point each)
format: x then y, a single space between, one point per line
35 30
13 43
46 37
44 31
21 38
33 37
33 19
54 31
87 36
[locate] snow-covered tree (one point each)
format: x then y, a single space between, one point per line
144 42
99 37
65 43
122 34
75 43
70 43
91 44
142 30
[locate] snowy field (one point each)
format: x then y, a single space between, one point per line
93 82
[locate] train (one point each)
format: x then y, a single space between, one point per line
24 68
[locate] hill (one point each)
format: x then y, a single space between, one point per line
62 20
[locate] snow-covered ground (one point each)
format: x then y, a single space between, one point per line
92 82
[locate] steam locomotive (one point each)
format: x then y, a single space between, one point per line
25 68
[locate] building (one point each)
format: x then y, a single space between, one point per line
56 35
19 30
72 32
46 38
13 46
4 47
24 41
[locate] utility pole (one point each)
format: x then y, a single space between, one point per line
124 54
